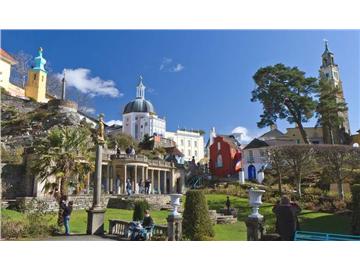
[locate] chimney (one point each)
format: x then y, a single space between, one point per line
273 127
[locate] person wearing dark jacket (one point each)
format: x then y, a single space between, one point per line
286 221
228 204
148 221
67 213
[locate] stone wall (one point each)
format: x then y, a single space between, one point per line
80 201
156 202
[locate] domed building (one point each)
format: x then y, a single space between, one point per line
140 118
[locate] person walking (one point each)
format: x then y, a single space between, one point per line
147 186
286 221
128 187
67 213
228 204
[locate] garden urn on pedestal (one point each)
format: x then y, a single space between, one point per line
174 219
255 221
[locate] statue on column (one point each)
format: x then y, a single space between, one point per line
101 129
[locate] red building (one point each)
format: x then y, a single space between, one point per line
225 156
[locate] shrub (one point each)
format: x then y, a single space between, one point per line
196 221
12 229
355 222
139 209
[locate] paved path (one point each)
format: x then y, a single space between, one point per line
78 237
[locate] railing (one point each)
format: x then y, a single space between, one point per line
120 228
143 159
316 236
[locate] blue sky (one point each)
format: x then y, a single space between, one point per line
197 79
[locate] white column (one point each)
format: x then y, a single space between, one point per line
152 182
107 188
165 182
135 179
125 178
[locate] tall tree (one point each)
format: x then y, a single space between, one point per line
328 111
65 152
19 71
285 93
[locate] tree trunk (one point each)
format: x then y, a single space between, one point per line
298 185
303 133
340 189
280 184
63 187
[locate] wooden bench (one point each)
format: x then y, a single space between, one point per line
317 236
120 228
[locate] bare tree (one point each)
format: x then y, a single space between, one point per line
300 160
276 158
339 161
19 71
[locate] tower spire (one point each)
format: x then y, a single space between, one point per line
326 45
140 89
63 89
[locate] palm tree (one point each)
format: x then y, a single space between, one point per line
65 152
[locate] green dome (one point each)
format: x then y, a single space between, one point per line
139 105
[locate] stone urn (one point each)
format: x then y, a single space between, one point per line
255 202
175 203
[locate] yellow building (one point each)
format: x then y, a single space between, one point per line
36 83
356 137
315 135
6 61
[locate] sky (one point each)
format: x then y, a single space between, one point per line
195 79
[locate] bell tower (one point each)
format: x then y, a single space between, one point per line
36 84
330 71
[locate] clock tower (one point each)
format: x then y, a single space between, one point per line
330 71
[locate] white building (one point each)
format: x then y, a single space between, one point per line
190 143
139 117
254 155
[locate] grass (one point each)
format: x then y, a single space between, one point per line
309 221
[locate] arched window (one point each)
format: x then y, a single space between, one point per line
219 161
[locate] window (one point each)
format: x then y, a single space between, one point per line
195 153
262 153
189 153
42 78
298 141
34 77
182 142
195 143
218 146
219 161
189 143
251 156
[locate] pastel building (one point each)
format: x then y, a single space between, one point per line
190 143
225 153
140 118
255 159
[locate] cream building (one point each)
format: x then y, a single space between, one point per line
190 143
140 118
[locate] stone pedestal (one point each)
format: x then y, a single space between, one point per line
95 221
174 228
255 228
96 214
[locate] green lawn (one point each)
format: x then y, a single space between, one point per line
311 221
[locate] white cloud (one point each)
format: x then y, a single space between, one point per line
82 80
168 65
87 109
165 63
245 136
114 122
177 68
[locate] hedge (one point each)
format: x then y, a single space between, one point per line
196 220
355 222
